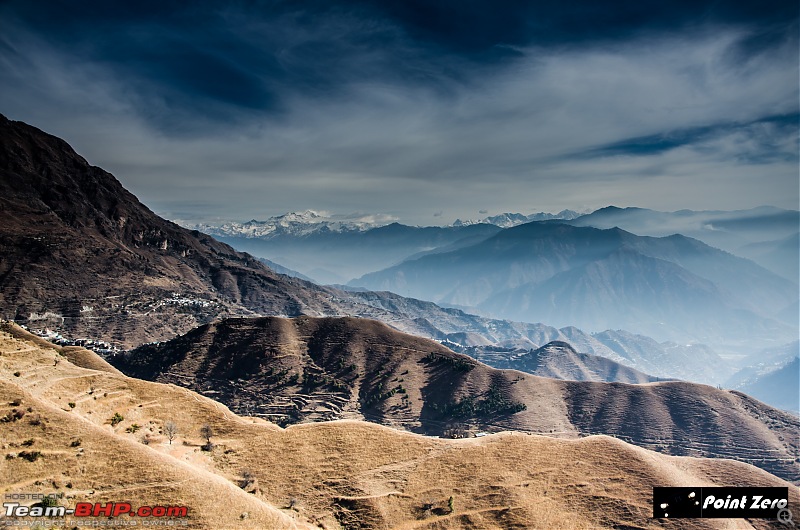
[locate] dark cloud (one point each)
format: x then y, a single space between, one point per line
233 60
252 108
764 130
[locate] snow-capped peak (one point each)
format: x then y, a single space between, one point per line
507 220
303 223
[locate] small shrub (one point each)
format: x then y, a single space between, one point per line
247 479
133 428
17 374
30 456
16 403
75 443
12 416
29 442
116 418
71 404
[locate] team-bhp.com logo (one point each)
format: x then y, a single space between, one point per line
48 513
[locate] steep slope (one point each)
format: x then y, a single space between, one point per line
81 254
308 369
79 251
342 474
559 360
597 279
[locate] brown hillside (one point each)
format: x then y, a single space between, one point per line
307 369
343 474
80 253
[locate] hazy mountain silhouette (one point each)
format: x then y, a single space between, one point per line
559 360
766 234
670 288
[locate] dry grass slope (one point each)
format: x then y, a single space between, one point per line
343 474
311 369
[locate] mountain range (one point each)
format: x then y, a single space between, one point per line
333 250
767 235
343 474
671 288
311 369
81 255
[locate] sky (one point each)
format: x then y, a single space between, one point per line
418 110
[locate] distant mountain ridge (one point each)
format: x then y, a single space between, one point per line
765 234
773 376
671 288
559 360
335 249
309 222
297 224
507 220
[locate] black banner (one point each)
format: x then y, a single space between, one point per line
721 503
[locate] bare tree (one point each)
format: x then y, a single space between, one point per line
171 430
207 432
